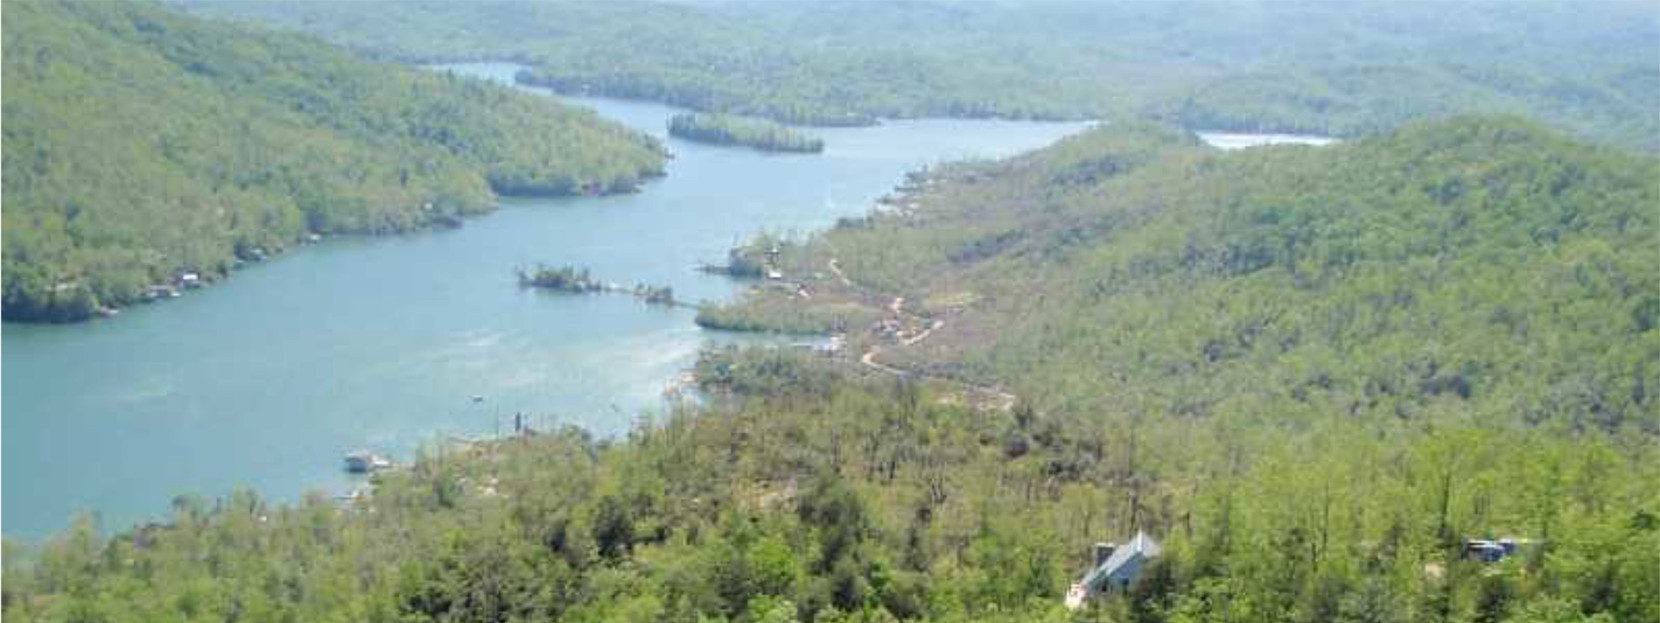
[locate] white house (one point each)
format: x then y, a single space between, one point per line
1116 568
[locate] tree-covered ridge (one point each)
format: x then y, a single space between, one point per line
811 495
1486 267
1312 373
142 144
1609 104
1345 69
729 130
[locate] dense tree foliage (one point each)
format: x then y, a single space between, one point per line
729 130
778 314
1341 69
1312 372
1485 265
561 278
827 498
142 144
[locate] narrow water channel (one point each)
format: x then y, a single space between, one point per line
266 380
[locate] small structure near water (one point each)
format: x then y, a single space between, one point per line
1116 567
364 461
160 291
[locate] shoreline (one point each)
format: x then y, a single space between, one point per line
307 469
181 283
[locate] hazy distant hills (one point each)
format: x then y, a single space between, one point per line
1333 68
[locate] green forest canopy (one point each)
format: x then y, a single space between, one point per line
834 500
760 134
1484 265
1312 372
141 143
1332 68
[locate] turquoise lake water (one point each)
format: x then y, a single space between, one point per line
266 380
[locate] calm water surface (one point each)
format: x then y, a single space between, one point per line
266 380
1235 140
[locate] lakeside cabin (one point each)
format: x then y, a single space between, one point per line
1116 567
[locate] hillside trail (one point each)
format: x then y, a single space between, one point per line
836 269
1000 399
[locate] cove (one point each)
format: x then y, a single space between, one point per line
265 380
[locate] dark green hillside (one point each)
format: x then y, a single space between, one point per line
141 144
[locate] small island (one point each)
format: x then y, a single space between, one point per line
560 278
655 295
729 130
577 280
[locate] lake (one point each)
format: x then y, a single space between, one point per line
1234 140
266 380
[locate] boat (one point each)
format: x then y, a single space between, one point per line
364 461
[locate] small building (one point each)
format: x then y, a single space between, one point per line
1116 567
1485 550
827 348
160 291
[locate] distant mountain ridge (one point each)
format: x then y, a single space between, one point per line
1344 69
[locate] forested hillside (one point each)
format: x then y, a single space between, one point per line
142 144
760 134
1306 67
1311 372
819 497
1483 266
